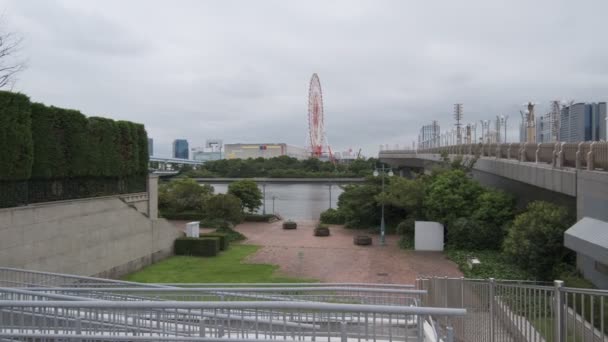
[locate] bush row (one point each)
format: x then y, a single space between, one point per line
259 217
207 246
42 142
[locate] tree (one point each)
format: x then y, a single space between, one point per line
407 194
248 192
535 240
224 206
471 234
451 194
183 195
10 64
495 211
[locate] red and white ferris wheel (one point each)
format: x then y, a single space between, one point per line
316 128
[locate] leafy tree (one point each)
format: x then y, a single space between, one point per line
452 194
359 206
16 147
332 216
535 240
407 194
248 192
183 195
224 206
471 234
495 210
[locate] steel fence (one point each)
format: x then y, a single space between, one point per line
519 310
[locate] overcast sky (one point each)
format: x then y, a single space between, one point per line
239 70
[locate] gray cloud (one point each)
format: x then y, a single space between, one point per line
239 70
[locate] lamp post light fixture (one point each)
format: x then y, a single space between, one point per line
381 171
273 198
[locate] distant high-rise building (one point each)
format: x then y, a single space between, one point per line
429 135
150 146
543 129
583 122
180 148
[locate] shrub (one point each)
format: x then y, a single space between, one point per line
222 238
197 246
231 234
535 240
289 225
183 195
212 223
224 206
332 216
407 229
472 234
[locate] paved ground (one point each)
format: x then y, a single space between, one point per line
336 259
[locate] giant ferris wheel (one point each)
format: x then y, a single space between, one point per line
316 128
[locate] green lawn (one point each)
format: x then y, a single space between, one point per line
227 267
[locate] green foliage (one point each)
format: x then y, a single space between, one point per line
282 167
332 216
471 234
451 195
225 206
408 194
16 146
495 209
535 240
223 238
183 195
231 234
209 246
248 192
493 265
358 204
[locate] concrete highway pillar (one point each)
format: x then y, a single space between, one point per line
153 197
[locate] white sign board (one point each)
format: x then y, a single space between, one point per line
192 229
428 236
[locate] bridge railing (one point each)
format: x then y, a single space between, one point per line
582 155
504 310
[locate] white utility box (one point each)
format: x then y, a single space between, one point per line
428 236
192 229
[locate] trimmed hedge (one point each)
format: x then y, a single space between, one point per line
46 142
16 146
209 246
222 237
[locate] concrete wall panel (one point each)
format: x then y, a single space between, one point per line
98 236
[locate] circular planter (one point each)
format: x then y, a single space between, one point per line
290 225
362 240
322 231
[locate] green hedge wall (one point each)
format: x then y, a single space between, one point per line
222 237
16 147
45 142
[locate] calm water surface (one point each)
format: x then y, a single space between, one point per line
295 201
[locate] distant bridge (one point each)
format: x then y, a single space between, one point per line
283 180
576 170
177 161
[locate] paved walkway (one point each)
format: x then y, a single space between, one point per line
335 259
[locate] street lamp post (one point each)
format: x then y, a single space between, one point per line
264 198
382 226
329 185
273 198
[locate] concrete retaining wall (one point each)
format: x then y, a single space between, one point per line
101 236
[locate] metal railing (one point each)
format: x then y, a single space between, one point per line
583 155
44 306
520 311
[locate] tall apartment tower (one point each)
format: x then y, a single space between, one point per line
180 148
583 122
150 146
